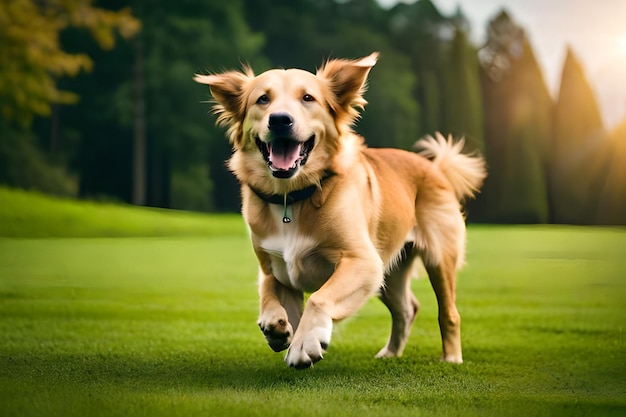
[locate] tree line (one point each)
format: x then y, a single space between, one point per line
98 102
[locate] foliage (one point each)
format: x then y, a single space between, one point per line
177 41
23 165
32 58
178 126
192 189
166 326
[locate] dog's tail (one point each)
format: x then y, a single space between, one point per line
465 172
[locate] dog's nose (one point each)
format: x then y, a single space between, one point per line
280 122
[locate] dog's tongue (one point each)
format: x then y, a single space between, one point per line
284 153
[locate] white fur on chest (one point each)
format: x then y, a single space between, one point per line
295 262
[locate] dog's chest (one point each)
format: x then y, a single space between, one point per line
296 261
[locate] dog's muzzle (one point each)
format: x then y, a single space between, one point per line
283 153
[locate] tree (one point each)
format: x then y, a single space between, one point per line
183 148
420 32
216 36
139 124
23 165
577 157
612 200
32 59
518 128
462 101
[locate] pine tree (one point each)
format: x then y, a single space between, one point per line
517 109
419 30
612 201
462 105
578 152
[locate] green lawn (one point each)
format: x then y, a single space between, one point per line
27 214
165 326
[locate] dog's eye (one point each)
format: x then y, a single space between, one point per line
264 99
308 97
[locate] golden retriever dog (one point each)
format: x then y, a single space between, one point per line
330 217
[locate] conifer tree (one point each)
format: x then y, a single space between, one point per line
419 30
517 109
578 154
462 105
612 201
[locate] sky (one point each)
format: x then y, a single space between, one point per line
595 30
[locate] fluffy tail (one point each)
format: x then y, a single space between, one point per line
465 172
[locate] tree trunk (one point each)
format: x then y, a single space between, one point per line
54 129
139 137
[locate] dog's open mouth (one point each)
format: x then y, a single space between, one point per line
284 156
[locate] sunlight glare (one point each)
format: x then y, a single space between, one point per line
621 45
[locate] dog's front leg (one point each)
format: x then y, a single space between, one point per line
352 283
280 311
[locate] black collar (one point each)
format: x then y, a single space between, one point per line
292 197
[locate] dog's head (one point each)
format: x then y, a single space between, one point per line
287 125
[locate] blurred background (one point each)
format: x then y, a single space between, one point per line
97 100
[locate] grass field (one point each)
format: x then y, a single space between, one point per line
26 214
163 324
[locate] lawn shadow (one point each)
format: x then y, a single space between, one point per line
212 370
252 376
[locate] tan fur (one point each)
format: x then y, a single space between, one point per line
374 210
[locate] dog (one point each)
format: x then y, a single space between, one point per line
330 217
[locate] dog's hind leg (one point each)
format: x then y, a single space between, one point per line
442 278
440 238
397 296
443 252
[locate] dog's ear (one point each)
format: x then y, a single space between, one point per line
228 90
346 80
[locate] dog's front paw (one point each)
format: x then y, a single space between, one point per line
277 331
308 347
